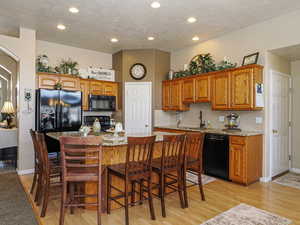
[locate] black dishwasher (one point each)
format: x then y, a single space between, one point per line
216 155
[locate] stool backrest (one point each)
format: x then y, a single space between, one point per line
172 150
81 154
37 153
139 152
194 145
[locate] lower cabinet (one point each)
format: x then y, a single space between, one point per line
245 159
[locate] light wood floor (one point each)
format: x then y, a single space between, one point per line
220 196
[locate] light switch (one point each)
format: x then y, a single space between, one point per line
221 118
259 120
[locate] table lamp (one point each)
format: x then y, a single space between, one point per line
8 110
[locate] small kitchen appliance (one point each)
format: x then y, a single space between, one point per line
102 103
232 122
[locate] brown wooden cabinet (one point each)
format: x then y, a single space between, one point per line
188 90
48 81
221 91
172 96
245 159
96 87
85 89
202 88
110 88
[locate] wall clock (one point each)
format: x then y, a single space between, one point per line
138 71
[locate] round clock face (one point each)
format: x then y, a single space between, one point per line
138 71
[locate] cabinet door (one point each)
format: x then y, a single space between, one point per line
188 87
166 89
242 89
237 164
221 91
47 81
110 89
70 83
175 91
202 89
96 88
85 89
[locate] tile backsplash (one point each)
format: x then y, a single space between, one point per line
191 117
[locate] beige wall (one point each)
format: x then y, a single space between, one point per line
295 71
23 50
278 63
84 57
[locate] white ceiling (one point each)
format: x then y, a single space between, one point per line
132 21
291 53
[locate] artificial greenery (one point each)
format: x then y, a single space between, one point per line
42 62
67 67
204 63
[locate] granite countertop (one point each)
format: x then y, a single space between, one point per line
109 140
213 131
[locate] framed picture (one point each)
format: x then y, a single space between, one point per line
250 59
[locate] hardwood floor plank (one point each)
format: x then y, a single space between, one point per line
220 196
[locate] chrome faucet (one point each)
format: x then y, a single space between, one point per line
178 123
202 122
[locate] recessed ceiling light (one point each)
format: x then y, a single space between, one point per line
74 10
191 19
61 27
196 38
114 40
151 38
155 5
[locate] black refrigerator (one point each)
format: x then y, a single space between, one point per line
58 110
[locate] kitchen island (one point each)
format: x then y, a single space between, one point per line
113 152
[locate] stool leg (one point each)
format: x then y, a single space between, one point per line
185 189
33 181
63 202
200 185
108 200
141 192
126 202
162 194
152 213
180 188
133 192
72 191
45 197
99 199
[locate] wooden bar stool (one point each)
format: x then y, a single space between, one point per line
193 161
49 176
81 159
136 169
170 162
38 165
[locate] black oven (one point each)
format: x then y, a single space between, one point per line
102 103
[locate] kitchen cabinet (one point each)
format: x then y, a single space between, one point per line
85 89
221 91
188 90
48 81
245 159
96 88
202 88
172 96
110 88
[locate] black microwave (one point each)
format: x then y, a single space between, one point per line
102 103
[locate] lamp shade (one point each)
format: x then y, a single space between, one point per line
8 108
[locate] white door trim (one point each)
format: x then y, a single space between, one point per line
271 119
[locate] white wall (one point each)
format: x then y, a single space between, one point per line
23 49
295 71
272 34
85 58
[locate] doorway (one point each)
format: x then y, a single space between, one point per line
280 127
8 115
138 107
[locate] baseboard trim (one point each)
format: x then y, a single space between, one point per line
265 179
295 170
24 172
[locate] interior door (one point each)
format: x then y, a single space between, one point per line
138 107
280 97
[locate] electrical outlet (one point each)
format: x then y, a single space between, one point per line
221 118
259 120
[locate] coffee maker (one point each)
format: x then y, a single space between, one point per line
232 122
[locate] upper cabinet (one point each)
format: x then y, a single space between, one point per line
232 89
202 88
221 91
173 96
86 86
